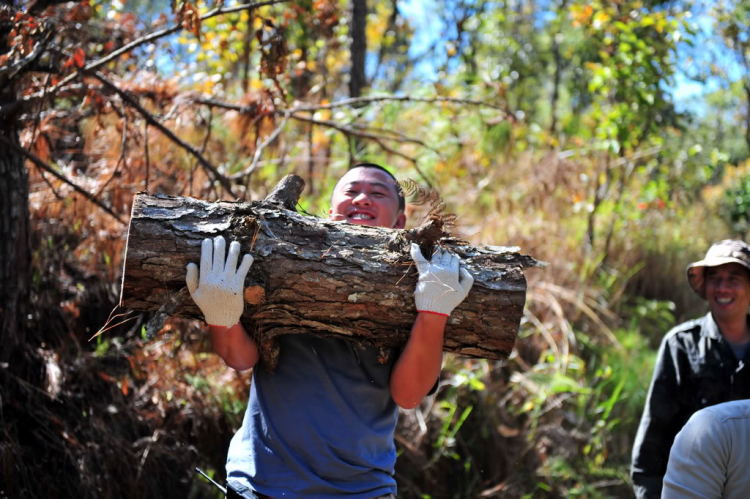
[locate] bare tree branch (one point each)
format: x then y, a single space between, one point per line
44 166
17 66
265 144
203 149
363 132
396 136
375 138
151 120
395 98
145 152
123 149
348 131
353 131
355 101
141 41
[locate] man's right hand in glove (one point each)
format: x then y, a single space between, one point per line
219 294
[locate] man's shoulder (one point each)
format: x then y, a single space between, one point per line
687 328
725 412
711 425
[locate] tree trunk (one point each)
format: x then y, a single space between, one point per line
358 53
15 256
358 48
315 275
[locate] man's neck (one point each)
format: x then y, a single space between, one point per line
734 331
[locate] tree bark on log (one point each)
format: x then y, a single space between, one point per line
319 276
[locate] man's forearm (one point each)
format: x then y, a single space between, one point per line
235 346
419 365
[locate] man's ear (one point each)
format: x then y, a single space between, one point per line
400 221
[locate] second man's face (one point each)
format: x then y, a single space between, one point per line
728 291
367 196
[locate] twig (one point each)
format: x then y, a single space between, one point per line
544 330
354 133
141 41
364 133
423 175
41 164
492 490
145 151
17 66
38 118
310 160
151 442
109 321
266 143
123 148
203 149
397 98
398 136
12 107
37 122
151 120
49 184
395 152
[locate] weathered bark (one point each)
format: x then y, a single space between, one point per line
315 275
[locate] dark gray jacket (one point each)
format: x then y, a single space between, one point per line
695 368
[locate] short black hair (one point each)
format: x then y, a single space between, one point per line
399 193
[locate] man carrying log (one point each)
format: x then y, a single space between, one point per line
322 424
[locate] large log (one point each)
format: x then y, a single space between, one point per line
320 276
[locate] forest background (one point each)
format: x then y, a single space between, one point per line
607 138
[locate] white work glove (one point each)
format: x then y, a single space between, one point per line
219 294
440 289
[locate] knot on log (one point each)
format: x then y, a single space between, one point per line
287 192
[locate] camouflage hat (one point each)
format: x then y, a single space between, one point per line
723 252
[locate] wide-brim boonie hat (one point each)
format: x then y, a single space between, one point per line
721 253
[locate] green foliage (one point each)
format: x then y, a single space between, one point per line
652 318
220 396
736 205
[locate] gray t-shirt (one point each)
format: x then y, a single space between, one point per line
321 425
709 458
739 349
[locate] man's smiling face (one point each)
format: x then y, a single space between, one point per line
728 291
367 196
